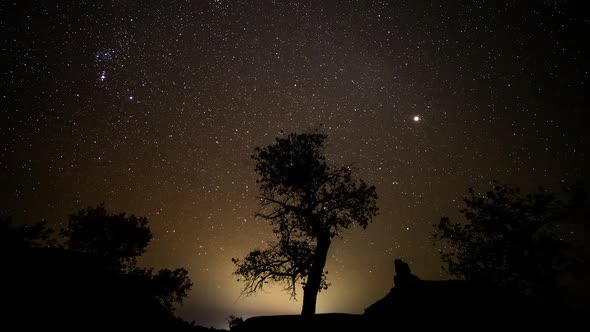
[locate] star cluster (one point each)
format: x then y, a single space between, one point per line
154 108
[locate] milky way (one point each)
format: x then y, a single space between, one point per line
155 107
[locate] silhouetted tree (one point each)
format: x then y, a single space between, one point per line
169 287
117 238
234 322
172 286
24 236
308 202
508 239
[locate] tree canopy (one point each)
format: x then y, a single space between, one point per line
168 287
308 202
117 238
508 239
23 236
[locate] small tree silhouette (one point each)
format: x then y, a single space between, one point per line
117 238
234 322
308 202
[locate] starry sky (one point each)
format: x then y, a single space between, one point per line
154 108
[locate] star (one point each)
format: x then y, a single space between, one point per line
416 118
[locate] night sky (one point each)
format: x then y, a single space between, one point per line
154 108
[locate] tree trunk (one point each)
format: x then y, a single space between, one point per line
314 279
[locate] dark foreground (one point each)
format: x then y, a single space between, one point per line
424 305
55 290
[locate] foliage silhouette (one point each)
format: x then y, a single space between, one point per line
76 287
234 322
169 287
117 238
308 202
24 236
510 240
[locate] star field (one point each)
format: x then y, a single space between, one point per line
154 108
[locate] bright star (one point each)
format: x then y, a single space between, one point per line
416 118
